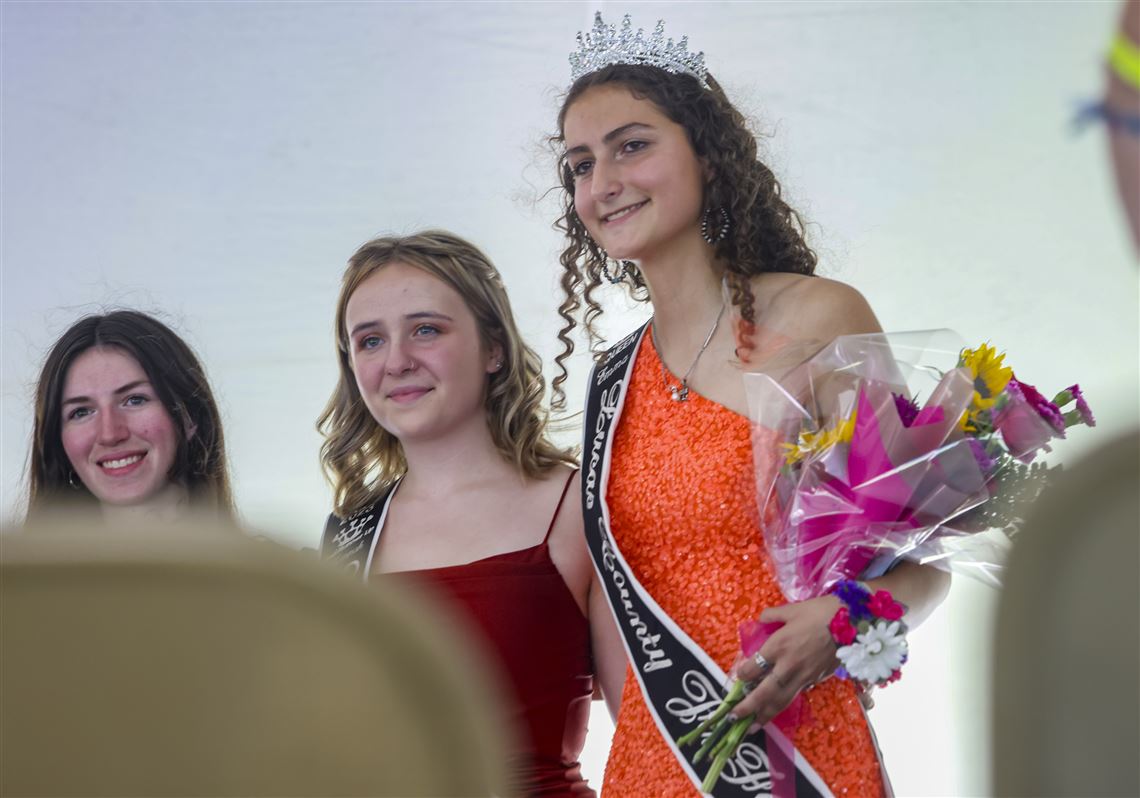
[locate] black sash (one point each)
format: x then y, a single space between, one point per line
681 684
349 542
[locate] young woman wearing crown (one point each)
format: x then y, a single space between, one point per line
664 193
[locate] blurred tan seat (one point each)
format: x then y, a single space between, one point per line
1067 680
215 665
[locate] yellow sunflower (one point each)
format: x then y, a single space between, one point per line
815 442
990 377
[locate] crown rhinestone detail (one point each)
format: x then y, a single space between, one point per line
604 46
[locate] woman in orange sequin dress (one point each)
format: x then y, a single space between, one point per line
664 193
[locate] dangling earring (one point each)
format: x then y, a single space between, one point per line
72 479
722 230
614 278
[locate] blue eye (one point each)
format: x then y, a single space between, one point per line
78 413
425 330
136 400
369 342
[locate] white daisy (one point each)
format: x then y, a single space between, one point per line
876 653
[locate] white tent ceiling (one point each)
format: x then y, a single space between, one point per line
218 162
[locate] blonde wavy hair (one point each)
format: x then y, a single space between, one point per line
360 458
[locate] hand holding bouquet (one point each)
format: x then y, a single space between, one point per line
882 447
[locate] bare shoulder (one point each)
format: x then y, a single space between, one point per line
808 307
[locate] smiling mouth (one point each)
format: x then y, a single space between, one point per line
407 394
121 462
624 212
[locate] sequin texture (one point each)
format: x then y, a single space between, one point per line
683 507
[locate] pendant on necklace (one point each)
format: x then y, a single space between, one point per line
680 393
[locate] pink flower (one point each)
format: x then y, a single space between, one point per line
1082 406
1027 421
841 629
1046 409
907 409
883 606
911 416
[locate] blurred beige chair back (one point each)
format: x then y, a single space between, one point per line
216 665
1067 681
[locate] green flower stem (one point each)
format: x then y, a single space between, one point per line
714 736
726 741
1073 418
735 695
727 747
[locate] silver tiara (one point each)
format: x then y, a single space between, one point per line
604 45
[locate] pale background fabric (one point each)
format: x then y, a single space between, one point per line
218 162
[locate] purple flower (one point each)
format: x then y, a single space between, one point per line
908 409
855 596
985 463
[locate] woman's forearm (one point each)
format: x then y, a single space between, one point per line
920 587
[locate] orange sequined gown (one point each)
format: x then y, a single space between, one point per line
683 510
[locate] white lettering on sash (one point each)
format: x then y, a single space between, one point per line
610 368
749 770
607 410
649 643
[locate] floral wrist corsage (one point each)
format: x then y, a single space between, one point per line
870 632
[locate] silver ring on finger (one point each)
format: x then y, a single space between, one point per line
762 663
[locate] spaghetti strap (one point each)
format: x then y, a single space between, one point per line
558 507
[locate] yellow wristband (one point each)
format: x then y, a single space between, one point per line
1124 60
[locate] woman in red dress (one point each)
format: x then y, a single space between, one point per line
437 451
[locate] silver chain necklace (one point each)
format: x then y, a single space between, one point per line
680 393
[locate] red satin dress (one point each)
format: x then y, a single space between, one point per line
520 605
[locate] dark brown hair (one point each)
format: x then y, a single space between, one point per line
180 384
767 235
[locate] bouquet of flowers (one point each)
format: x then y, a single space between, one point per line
888 451
882 447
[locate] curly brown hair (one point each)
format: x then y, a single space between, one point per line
360 458
767 233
